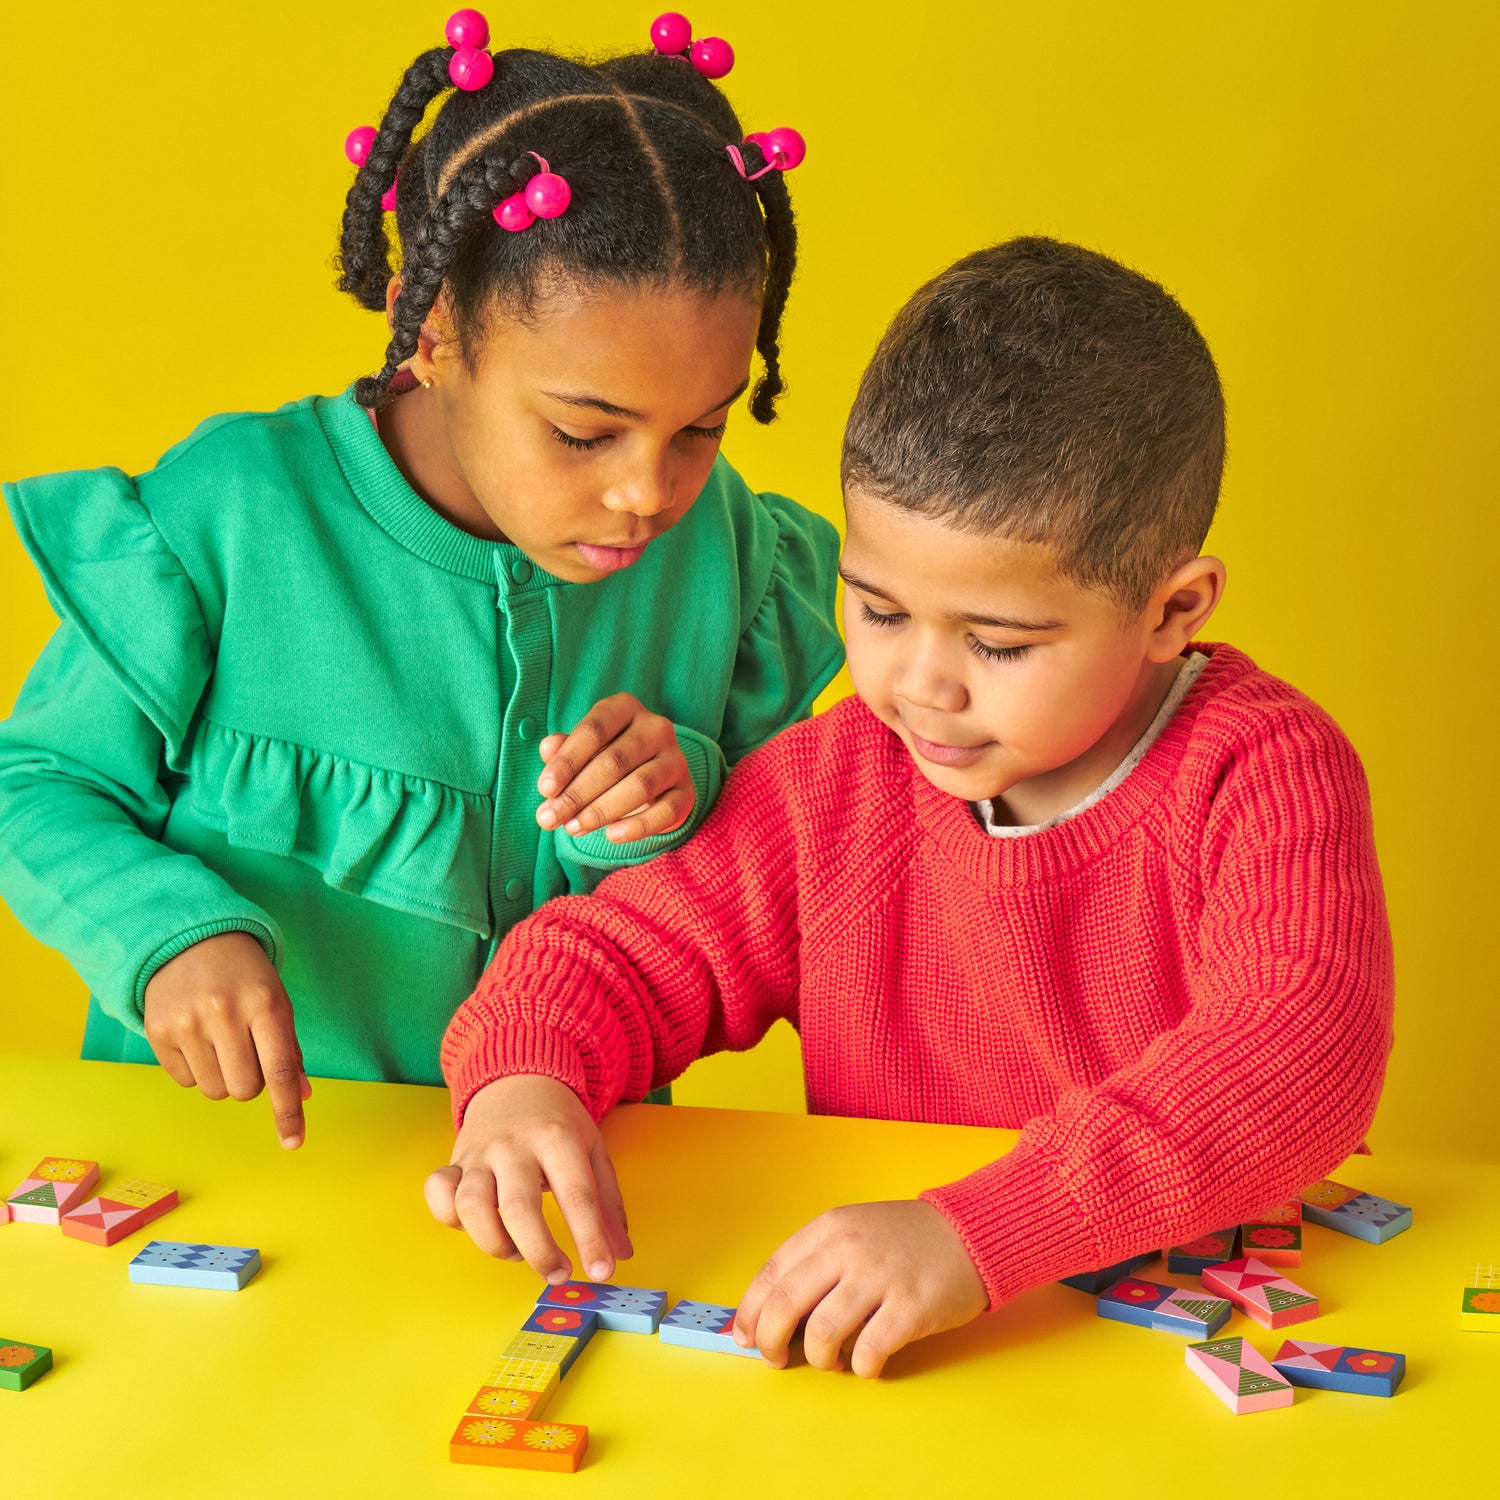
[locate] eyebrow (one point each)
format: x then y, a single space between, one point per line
625 413
998 622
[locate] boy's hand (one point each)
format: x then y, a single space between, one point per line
621 766
520 1136
218 1017
897 1271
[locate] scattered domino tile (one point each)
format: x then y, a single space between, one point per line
507 1443
225 1268
515 1374
574 1324
1260 1292
1094 1282
1237 1373
118 1213
1338 1367
1275 1236
702 1325
1213 1249
1351 1211
1480 1309
621 1309
547 1348
22 1364
54 1185
1167 1309
496 1401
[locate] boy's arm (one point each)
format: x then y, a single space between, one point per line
1270 1080
695 952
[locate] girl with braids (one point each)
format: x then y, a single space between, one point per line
285 743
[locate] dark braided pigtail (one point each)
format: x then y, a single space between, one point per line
364 258
781 266
468 204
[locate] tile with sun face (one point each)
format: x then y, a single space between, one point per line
512 1443
1275 1236
21 1364
1352 1211
52 1187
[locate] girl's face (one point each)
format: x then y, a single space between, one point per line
585 434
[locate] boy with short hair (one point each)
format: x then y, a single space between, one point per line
1058 865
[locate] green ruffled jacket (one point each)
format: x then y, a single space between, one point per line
287 698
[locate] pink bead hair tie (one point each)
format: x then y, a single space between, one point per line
672 36
470 67
544 197
783 149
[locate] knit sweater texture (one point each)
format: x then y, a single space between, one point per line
1181 997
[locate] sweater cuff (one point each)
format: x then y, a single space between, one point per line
185 940
1019 1223
500 1052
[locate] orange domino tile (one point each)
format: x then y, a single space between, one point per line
119 1211
504 1443
497 1401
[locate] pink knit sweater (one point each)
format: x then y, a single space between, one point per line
1182 996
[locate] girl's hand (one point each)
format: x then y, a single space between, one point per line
522 1135
621 766
218 1018
896 1271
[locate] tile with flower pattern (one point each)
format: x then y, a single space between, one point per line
1354 1211
1340 1367
620 1309
1166 1309
570 1326
1192 1256
225 1268
1480 1309
702 1325
498 1401
511 1443
22 1364
1274 1236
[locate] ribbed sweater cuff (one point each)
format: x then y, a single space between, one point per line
1018 1222
502 1051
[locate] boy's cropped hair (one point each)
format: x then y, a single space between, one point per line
1045 393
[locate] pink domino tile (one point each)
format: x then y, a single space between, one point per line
55 1185
1261 1292
1239 1375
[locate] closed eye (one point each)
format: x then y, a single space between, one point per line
582 445
710 433
997 653
874 617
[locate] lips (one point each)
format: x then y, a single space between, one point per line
605 559
946 755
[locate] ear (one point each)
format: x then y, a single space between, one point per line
434 342
1181 607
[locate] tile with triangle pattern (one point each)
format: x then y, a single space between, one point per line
1355 1212
1237 1373
1340 1367
1261 1292
119 1211
52 1187
1166 1309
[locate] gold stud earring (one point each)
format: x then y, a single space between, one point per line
426 385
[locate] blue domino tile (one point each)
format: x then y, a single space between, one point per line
620 1309
1166 1309
1304 1363
1366 1217
1094 1282
1180 1263
702 1325
223 1268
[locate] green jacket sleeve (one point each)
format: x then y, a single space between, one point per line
82 756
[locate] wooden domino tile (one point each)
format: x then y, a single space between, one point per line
564 1327
498 1401
1352 1211
516 1374
1166 1309
702 1325
620 1309
511 1443
1193 1256
119 1212
1094 1282
52 1187
1339 1367
1261 1293
1275 1236
1237 1373
21 1364
220 1268
1480 1310
546 1348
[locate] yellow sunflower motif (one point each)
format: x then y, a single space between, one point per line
62 1169
551 1439
506 1403
489 1431
1283 1213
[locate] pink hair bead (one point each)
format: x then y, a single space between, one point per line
784 147
467 28
671 33
470 69
513 214
388 197
547 194
358 142
713 57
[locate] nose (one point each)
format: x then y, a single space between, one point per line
645 490
923 676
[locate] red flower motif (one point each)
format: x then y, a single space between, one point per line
560 1319
1367 1362
1132 1291
1210 1244
570 1291
1270 1237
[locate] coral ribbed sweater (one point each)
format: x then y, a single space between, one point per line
1183 994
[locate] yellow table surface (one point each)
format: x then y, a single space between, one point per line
345 1365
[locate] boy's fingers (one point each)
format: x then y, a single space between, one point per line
651 780
518 1192
549 747
175 1066
570 1174
280 1060
239 1064
439 1191
609 768
476 1203
832 1323
599 726
888 1330
787 1303
662 816
612 1201
203 1062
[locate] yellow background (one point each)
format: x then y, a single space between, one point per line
1317 183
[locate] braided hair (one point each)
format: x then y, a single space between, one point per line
655 198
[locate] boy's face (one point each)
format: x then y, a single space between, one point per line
993 667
